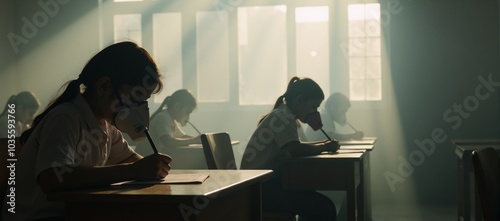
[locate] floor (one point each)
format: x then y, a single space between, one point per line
414 213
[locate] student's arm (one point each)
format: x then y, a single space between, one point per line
152 167
296 148
135 157
169 141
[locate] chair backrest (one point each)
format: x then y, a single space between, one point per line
218 151
7 144
487 175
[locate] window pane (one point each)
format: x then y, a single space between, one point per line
357 68
372 28
212 56
262 54
373 69
128 27
312 45
357 47
365 52
356 28
373 47
168 53
357 89
373 89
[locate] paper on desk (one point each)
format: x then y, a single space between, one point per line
173 179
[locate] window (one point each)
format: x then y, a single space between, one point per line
243 53
168 53
312 45
262 49
365 71
212 56
128 27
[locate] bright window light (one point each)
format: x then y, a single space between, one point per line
365 68
128 27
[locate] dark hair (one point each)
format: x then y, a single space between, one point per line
182 96
124 62
299 86
337 100
25 99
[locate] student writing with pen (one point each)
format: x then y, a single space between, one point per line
173 113
76 143
275 137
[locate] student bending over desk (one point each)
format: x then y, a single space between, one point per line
276 137
164 128
75 142
334 111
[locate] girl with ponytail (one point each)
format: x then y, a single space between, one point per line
276 137
21 108
174 110
76 141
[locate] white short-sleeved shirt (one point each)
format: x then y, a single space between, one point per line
265 146
68 136
4 124
163 124
328 127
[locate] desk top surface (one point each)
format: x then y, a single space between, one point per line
363 141
466 148
352 155
219 183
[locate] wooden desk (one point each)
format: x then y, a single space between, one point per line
467 200
340 171
237 191
365 195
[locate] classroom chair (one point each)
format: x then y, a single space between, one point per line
218 151
220 156
487 175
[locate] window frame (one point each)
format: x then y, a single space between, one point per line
337 34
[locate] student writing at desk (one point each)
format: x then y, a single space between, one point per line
334 111
275 137
164 128
21 108
75 142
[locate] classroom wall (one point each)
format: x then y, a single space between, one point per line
439 51
7 55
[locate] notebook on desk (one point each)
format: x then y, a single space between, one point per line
192 178
199 144
363 141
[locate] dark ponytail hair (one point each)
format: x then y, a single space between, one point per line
26 99
124 63
299 86
182 96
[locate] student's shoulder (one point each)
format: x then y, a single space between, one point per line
67 110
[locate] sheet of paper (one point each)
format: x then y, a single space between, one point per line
173 179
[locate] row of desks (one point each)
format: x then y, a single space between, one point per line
238 191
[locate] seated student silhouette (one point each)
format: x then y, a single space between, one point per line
275 137
334 111
174 110
76 141
21 108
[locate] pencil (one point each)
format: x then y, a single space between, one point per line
151 140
